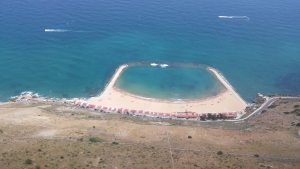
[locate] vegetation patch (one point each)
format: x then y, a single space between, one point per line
263 111
296 111
95 140
1 131
256 155
28 161
189 137
286 112
296 106
272 106
220 152
115 143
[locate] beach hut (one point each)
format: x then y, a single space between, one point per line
84 105
92 106
105 109
98 107
132 112
126 111
231 115
181 115
140 112
78 103
120 110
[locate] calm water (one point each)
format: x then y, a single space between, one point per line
92 38
169 83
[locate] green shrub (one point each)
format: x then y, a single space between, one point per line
62 157
1 131
28 161
256 155
272 106
286 112
189 137
296 111
296 106
116 143
39 150
37 167
95 139
220 152
263 111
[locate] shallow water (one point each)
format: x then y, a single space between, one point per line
169 83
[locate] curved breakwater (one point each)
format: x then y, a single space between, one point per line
110 85
223 80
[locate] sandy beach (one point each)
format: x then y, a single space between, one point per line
224 102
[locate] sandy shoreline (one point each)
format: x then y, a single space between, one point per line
227 101
224 102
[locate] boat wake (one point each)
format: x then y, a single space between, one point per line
56 30
234 17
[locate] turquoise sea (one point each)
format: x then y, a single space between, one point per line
71 48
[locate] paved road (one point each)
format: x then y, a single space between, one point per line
259 110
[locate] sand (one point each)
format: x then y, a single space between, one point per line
224 102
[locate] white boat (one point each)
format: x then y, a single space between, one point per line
163 65
153 64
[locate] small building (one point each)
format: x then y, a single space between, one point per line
92 106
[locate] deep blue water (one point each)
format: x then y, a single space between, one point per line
257 55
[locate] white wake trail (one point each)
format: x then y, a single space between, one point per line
56 30
234 17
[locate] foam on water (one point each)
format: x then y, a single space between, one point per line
234 17
56 30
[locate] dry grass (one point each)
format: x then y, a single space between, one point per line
56 136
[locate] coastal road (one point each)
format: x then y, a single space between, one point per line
267 104
259 110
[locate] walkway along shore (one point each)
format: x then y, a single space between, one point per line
226 84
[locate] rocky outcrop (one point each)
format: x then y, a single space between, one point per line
259 99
